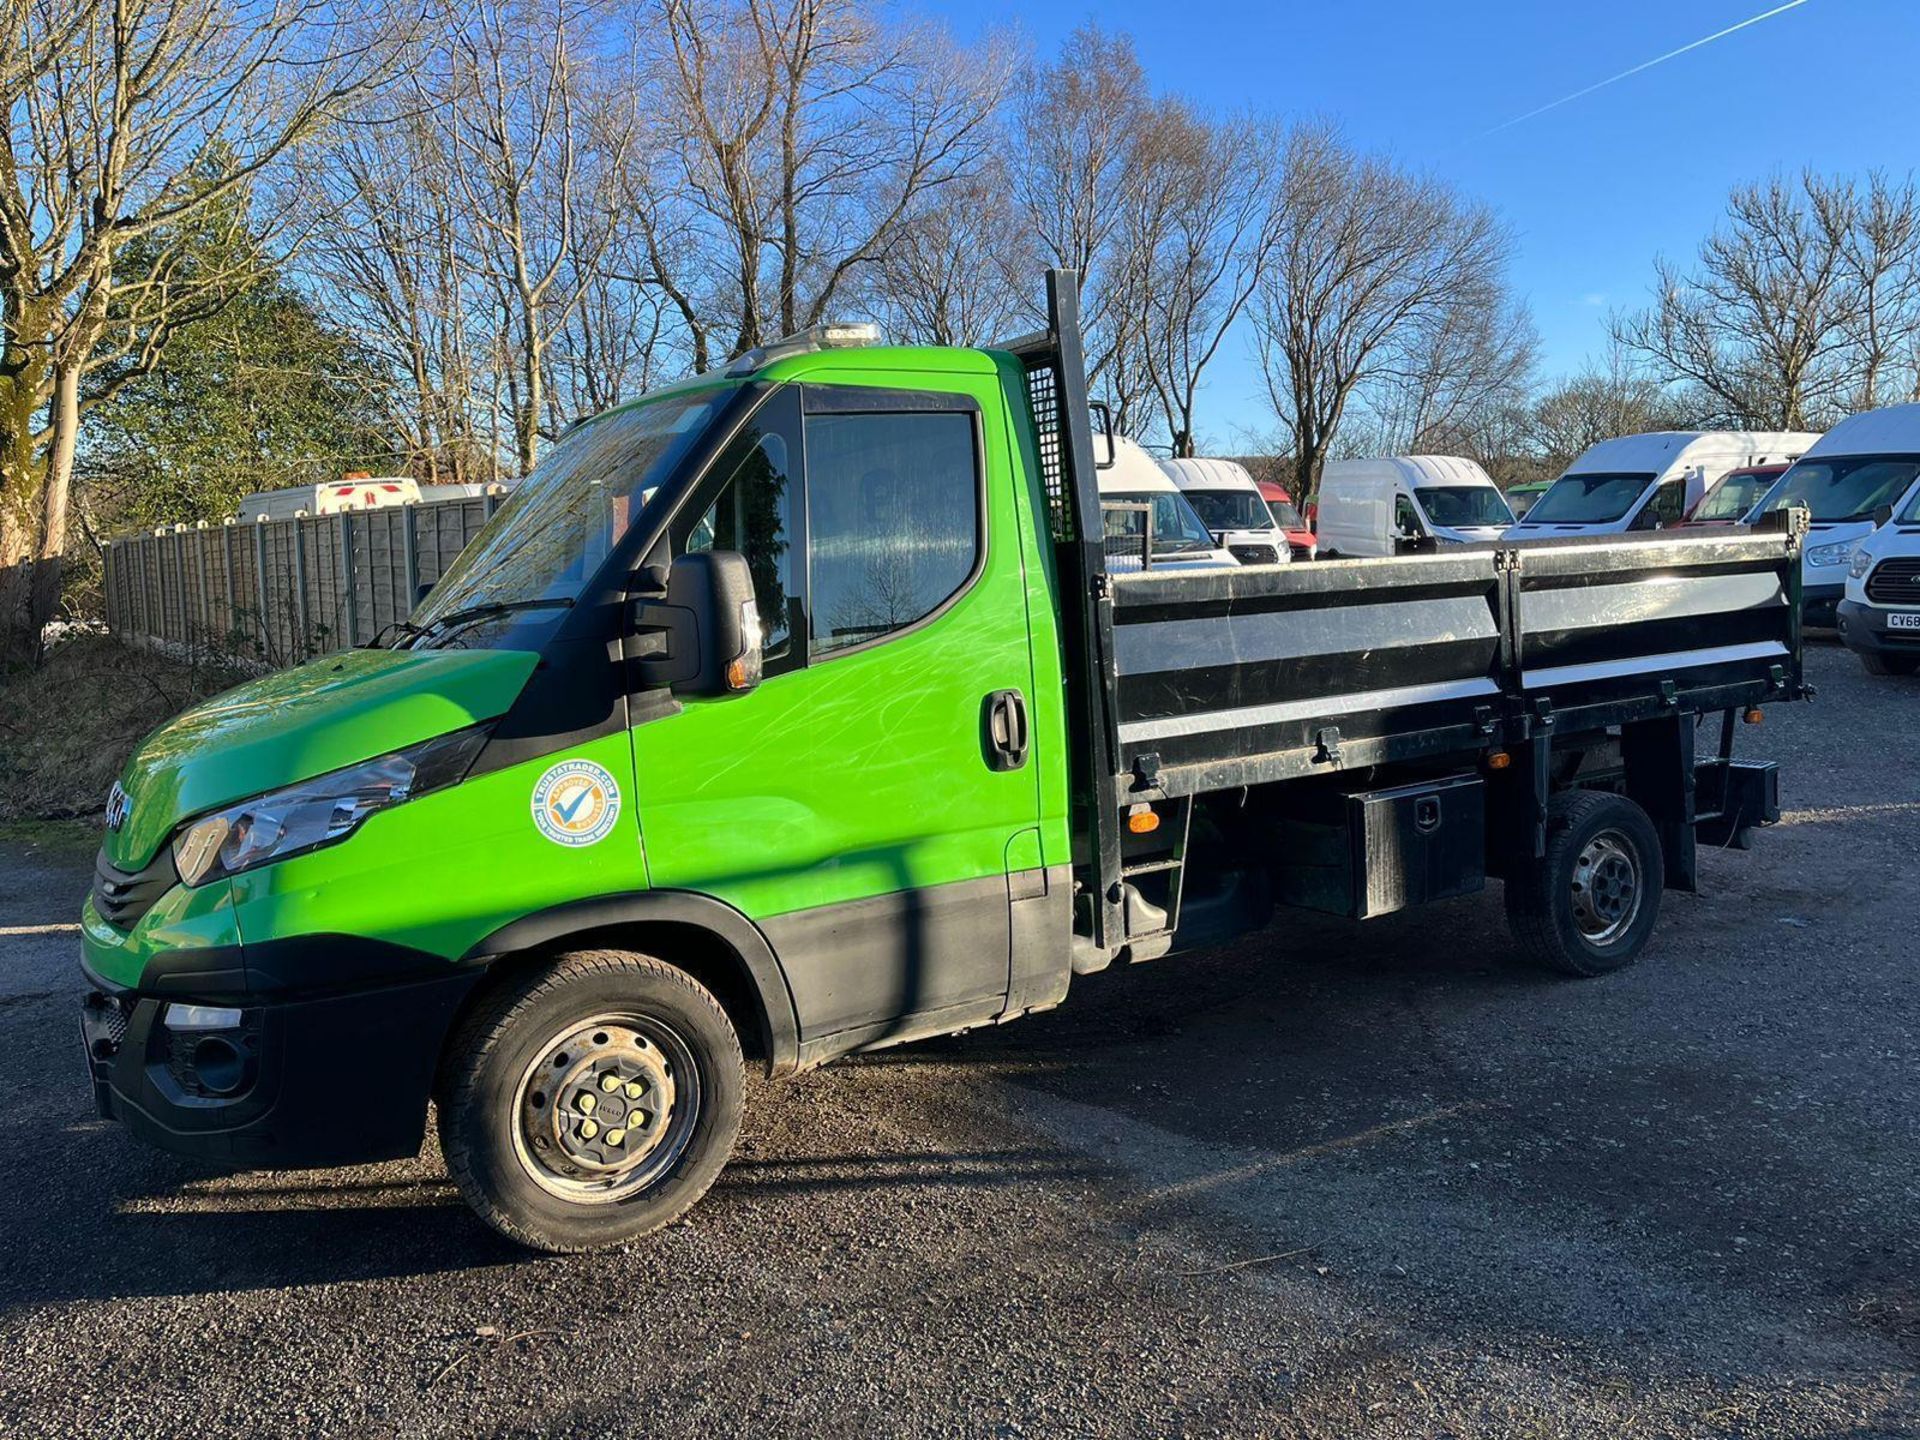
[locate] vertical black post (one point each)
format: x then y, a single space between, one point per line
1658 758
303 643
410 535
350 601
260 582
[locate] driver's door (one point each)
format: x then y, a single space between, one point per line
853 805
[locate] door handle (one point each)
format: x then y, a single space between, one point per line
1006 727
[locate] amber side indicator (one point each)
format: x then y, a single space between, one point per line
1499 760
1143 821
1754 716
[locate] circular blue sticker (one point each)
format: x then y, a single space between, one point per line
576 803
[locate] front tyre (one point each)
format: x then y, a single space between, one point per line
1878 663
590 1102
1589 907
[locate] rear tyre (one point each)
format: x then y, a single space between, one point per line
590 1102
1882 664
1590 905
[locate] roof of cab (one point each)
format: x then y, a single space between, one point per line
1416 470
1194 472
1892 431
1660 450
1132 470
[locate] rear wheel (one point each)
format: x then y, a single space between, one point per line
1590 905
1880 663
591 1102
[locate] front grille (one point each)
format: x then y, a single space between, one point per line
123 896
1255 554
1895 581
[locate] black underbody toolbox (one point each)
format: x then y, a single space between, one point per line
1371 852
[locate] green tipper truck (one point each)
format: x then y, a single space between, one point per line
792 711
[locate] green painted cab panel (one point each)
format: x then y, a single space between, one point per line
302 722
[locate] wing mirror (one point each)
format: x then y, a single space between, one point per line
1104 413
708 625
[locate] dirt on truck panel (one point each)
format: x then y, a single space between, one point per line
791 711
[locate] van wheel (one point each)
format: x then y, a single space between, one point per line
591 1102
1590 905
1879 664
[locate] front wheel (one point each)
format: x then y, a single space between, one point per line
1590 905
592 1101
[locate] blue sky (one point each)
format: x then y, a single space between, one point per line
1594 189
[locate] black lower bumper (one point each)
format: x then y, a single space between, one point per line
1864 629
1818 604
279 1083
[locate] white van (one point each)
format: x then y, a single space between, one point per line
1649 482
350 492
1861 472
1229 503
1132 489
1407 502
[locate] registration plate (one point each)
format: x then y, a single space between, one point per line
1904 622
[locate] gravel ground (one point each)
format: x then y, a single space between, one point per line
1335 1180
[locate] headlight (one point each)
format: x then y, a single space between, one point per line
1862 563
1835 554
319 811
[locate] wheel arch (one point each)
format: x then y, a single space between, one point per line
706 937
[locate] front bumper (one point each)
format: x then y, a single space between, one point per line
300 1080
1818 603
1863 629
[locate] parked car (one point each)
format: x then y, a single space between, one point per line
1731 498
1230 505
1135 491
1300 537
1865 465
845 738
1520 497
1648 482
1402 503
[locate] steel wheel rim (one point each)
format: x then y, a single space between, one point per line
1607 888
606 1107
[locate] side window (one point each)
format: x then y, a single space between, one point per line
893 521
753 515
1667 507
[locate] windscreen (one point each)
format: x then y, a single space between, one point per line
1463 507
1733 497
1286 514
1840 488
565 518
1230 509
1595 499
1176 529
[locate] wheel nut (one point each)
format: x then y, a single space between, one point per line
634 1089
589 1129
609 1083
615 1137
585 1104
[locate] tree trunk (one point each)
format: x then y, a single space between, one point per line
23 375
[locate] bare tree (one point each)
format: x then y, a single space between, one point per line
809 133
128 119
1202 224
1076 128
960 271
1369 262
539 178
1791 314
1882 264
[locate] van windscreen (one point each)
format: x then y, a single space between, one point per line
1839 488
1464 507
1595 499
1230 509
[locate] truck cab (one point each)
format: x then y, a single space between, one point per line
1404 503
794 710
1231 506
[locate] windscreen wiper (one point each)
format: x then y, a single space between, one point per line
472 614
